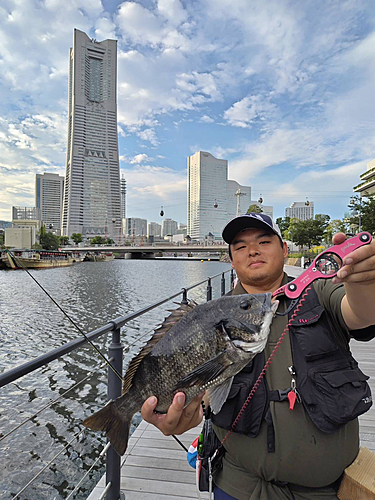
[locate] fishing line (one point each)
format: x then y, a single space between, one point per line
67 316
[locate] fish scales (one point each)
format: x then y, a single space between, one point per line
197 348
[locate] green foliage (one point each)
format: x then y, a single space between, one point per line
366 209
283 223
308 232
98 240
254 209
49 241
335 226
64 240
1 238
76 237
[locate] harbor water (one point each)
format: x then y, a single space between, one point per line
30 325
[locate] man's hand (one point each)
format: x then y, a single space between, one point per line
178 419
359 265
358 276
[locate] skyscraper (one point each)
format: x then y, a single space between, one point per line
49 190
212 199
92 183
300 210
123 204
207 195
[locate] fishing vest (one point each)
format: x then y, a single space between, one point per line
332 388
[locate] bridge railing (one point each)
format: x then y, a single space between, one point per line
115 356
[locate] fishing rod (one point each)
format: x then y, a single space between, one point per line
18 261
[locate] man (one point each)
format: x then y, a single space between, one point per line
280 449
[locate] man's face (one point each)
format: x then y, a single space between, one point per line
258 257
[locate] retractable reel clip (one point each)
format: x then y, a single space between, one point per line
325 265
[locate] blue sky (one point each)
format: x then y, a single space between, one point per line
283 90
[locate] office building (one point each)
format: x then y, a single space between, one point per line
367 186
238 199
153 229
123 204
21 215
169 227
92 204
212 198
49 190
136 227
300 210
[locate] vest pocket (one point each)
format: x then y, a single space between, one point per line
342 391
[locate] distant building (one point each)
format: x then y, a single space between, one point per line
26 217
367 186
212 198
153 229
169 227
300 210
266 209
49 191
123 204
136 227
92 204
238 197
182 229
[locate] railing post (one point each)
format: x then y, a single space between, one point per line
184 296
209 290
113 471
222 284
231 278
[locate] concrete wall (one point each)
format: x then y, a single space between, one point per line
20 237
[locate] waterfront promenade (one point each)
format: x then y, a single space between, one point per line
155 466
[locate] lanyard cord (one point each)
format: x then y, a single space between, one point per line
265 367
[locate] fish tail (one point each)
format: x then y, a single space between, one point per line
115 423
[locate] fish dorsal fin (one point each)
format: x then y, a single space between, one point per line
171 320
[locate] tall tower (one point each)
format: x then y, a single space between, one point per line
207 195
123 204
92 183
49 189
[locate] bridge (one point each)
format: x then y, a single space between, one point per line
150 251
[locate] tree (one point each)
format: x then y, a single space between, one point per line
335 226
364 208
49 241
308 232
77 238
64 240
98 240
283 224
254 209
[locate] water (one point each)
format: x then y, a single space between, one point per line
30 324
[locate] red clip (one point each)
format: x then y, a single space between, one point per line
292 396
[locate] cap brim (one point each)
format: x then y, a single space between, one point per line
240 224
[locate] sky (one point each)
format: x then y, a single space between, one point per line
283 90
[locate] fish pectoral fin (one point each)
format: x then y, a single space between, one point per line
218 395
206 372
114 423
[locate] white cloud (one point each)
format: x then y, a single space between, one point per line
140 158
244 112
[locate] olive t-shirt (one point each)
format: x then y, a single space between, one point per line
304 455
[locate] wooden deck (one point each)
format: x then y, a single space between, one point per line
155 466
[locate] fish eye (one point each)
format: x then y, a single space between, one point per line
245 304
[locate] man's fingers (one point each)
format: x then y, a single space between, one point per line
338 238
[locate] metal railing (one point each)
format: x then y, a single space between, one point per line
115 356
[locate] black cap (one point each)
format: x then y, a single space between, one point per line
247 221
